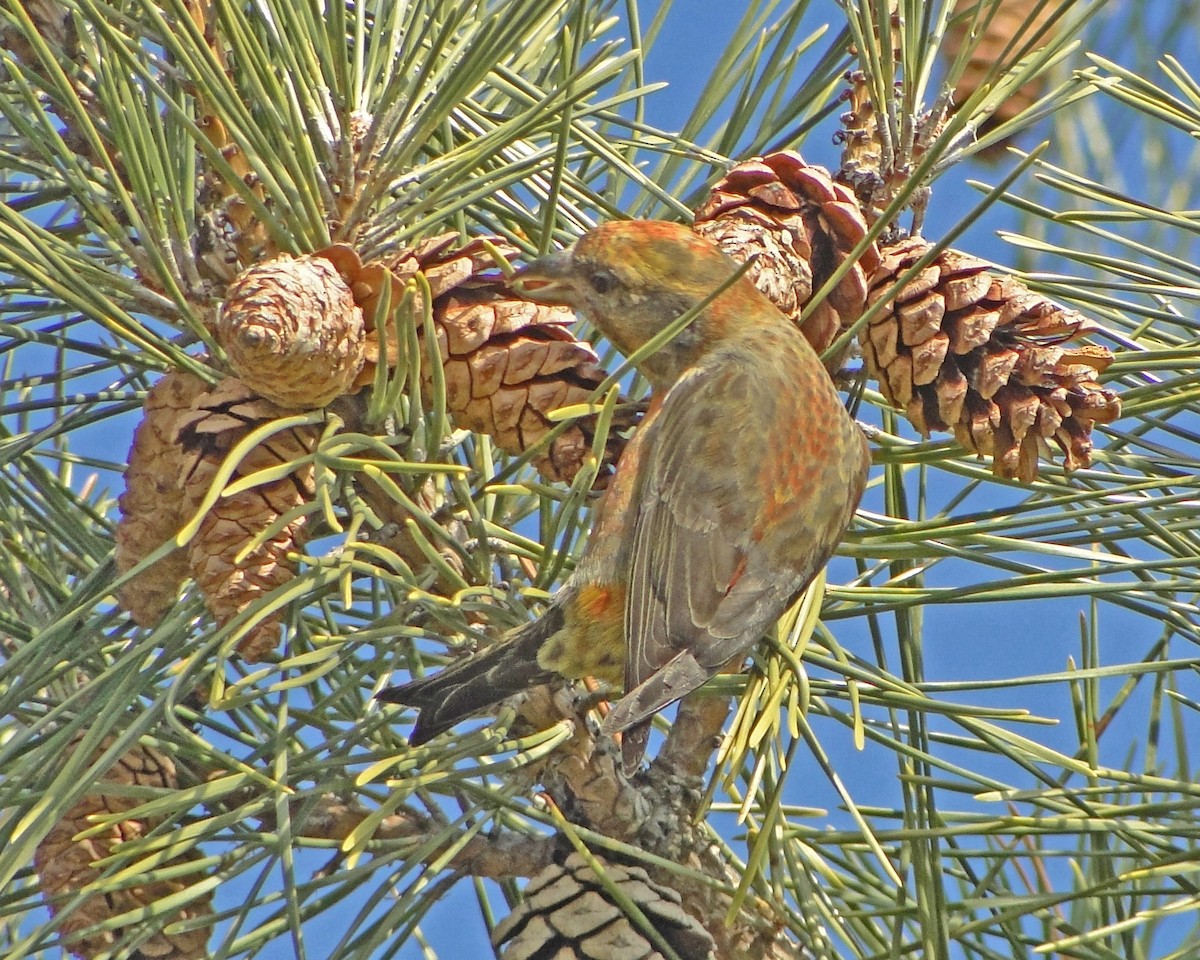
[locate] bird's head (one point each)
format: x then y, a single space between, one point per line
632 279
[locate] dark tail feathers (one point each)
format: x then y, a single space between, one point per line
479 682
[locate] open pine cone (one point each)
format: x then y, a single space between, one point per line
153 504
177 450
66 865
507 362
229 583
801 226
962 348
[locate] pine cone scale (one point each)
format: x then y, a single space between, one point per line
921 319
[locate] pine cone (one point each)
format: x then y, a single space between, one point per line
217 421
801 225
152 506
568 915
65 865
291 329
508 363
1013 25
964 349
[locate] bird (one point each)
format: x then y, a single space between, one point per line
732 495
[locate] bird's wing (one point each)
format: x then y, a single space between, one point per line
746 484
701 590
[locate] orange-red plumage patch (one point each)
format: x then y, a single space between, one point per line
738 571
600 602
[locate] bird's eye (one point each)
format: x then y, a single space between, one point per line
602 281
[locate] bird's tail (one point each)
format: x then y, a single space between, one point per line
464 689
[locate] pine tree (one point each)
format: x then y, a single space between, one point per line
267 247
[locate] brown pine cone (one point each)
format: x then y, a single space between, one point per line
292 330
567 914
507 363
216 422
65 865
961 348
801 225
152 506
1002 37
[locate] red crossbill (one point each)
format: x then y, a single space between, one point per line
732 495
